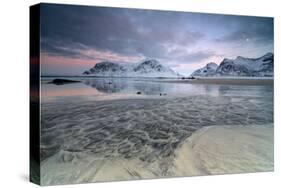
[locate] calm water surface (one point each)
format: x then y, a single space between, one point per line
112 88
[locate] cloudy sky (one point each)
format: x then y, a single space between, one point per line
75 38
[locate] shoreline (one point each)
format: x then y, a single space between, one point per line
226 80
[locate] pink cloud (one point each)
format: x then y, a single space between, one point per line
48 59
55 64
52 65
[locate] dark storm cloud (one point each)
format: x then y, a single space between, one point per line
67 26
123 31
256 29
178 39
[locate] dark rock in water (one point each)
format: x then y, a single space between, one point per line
63 81
191 77
109 82
138 92
162 94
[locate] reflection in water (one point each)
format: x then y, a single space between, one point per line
131 86
108 85
96 88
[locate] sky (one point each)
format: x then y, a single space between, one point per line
75 38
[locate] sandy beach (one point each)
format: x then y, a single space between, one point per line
210 150
227 149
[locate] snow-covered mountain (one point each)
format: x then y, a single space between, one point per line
208 70
241 66
146 68
106 69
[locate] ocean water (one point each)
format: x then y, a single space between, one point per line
106 118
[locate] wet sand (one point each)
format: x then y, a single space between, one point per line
210 150
227 149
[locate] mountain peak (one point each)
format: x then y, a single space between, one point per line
146 68
268 54
149 60
241 58
152 66
241 66
209 69
212 65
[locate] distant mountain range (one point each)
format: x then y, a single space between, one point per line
241 66
146 68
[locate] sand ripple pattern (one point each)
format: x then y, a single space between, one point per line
147 129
